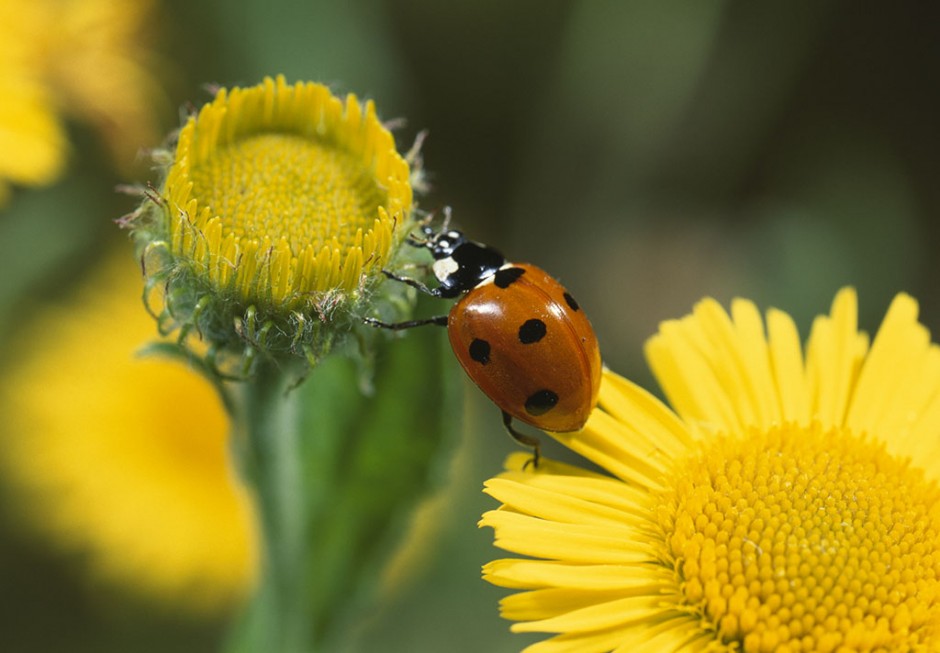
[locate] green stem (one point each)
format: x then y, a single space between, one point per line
268 434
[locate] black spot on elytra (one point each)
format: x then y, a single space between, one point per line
571 302
480 351
505 277
531 331
540 402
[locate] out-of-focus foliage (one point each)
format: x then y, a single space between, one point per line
647 153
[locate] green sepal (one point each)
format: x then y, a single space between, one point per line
242 335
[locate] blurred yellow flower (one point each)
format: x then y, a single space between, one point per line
790 503
125 459
88 59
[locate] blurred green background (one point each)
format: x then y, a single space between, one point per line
646 153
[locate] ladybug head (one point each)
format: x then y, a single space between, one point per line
460 264
442 243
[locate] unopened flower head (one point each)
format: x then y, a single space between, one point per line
279 207
787 502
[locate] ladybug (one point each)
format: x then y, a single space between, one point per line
518 334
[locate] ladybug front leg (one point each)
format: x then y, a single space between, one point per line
523 439
439 320
414 283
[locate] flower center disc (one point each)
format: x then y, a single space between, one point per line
286 186
803 540
280 195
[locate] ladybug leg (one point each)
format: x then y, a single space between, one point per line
414 283
523 439
416 242
440 320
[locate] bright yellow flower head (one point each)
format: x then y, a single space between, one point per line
282 204
786 503
87 59
121 458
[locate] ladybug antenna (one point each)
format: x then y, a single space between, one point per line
429 232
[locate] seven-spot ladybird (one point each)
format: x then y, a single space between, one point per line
520 336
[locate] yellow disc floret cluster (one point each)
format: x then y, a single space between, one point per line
801 539
279 192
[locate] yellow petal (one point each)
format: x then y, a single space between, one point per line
834 354
558 503
601 577
786 358
570 542
600 616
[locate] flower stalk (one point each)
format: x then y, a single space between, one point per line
270 447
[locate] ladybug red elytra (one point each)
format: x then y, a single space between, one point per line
519 335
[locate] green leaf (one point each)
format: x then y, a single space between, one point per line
373 460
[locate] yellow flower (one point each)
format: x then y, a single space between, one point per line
122 458
83 58
282 203
786 503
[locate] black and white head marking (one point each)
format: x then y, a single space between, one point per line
460 264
